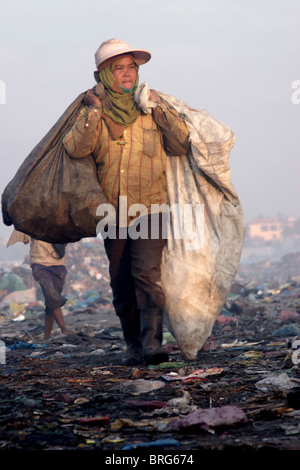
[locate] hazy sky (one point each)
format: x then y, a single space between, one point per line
238 59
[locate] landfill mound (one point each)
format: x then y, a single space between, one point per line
73 393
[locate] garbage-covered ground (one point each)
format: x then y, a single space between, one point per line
73 393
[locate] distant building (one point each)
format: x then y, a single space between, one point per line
269 228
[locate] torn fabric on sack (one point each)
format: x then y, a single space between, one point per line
197 273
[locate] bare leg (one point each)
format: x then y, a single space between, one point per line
60 320
49 320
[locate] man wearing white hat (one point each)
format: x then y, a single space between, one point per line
130 145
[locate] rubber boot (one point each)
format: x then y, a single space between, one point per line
131 332
151 336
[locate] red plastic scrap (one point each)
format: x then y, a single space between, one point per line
223 319
195 376
96 420
153 404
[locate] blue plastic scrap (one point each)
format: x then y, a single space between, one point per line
22 345
160 443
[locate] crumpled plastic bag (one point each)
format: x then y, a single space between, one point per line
277 383
209 418
199 267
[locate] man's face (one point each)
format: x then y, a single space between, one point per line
125 73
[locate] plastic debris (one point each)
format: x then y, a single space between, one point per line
238 344
81 401
138 386
98 352
150 404
184 400
277 383
199 374
22 345
159 443
224 319
121 423
287 330
209 418
112 440
19 318
291 430
286 315
96 420
171 365
16 308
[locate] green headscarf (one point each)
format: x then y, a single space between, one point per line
124 110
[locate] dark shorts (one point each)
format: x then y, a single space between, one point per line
52 280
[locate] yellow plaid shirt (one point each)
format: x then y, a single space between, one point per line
133 166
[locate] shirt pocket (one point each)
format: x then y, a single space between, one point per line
152 142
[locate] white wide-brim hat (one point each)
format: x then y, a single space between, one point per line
115 47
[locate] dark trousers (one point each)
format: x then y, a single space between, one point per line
134 267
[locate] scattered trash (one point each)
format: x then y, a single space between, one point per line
98 352
22 345
199 374
73 392
291 430
184 400
159 443
81 401
209 418
238 345
112 440
286 315
96 420
146 405
19 318
287 330
171 365
224 319
58 354
138 386
277 383
121 423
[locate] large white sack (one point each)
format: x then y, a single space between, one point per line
197 277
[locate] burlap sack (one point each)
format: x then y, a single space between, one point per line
53 197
